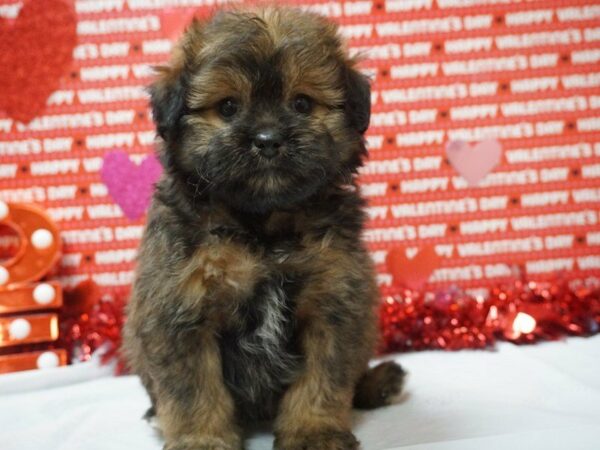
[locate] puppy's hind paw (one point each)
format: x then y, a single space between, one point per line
380 386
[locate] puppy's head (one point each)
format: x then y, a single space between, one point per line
261 110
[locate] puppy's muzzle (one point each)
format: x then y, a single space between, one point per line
268 142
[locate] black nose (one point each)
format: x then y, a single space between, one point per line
268 142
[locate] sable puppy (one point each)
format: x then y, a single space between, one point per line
254 298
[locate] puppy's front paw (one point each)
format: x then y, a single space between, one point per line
323 440
203 443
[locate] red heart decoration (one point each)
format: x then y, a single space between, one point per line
412 273
35 52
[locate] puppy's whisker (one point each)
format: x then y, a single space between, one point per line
202 177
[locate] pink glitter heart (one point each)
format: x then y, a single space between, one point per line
130 185
474 162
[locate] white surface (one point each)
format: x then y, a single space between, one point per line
540 397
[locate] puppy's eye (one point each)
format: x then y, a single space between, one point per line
228 107
303 104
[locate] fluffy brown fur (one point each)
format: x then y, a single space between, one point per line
254 297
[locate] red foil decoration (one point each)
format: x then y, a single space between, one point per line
92 320
521 312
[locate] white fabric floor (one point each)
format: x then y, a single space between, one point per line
538 397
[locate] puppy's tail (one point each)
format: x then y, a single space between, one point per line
379 386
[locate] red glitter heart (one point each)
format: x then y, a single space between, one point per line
35 52
412 273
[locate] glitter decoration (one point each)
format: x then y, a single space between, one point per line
91 320
36 51
130 185
520 312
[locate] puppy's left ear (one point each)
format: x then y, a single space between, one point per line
358 99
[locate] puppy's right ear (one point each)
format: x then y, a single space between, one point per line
167 95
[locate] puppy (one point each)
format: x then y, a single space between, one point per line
254 297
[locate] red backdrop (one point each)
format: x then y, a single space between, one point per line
522 76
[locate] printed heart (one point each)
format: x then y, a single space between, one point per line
415 272
130 185
35 52
474 162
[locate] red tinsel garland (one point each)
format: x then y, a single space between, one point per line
521 312
92 320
